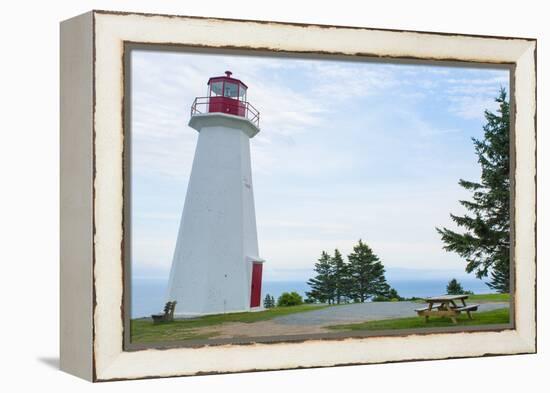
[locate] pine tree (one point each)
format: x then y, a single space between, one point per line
347 286
485 244
339 276
322 287
500 276
367 273
269 301
454 287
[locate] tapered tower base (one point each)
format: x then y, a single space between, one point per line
216 267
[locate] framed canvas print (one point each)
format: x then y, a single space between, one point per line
243 195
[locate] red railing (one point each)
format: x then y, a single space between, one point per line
226 105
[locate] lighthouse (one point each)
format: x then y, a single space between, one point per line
216 266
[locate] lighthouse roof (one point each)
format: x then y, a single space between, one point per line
226 77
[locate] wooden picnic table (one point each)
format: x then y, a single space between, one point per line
446 306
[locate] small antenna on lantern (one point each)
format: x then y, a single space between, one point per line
228 73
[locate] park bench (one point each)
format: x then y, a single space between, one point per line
168 314
445 306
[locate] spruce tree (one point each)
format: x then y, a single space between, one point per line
269 301
500 276
322 286
454 287
485 242
339 276
367 273
346 285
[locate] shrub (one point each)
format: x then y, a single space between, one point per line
289 299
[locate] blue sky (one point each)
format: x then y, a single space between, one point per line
347 150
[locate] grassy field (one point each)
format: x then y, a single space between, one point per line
499 316
489 297
145 331
484 298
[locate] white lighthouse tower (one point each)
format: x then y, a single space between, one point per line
216 267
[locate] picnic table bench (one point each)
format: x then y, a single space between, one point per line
446 306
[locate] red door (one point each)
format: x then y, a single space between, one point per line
256 290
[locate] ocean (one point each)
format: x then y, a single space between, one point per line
148 294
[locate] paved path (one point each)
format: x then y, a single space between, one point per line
360 312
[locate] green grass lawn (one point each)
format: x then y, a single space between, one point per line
489 297
500 316
483 298
145 331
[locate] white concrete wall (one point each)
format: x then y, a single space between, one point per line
217 235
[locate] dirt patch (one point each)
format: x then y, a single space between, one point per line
259 329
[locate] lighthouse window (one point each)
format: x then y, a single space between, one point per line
242 93
230 90
217 88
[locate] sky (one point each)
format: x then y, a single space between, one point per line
347 150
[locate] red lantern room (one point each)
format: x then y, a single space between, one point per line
226 95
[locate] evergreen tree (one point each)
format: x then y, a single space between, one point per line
485 243
367 274
339 273
322 287
346 285
454 287
500 276
269 301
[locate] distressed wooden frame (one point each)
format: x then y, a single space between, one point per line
127 224
92 189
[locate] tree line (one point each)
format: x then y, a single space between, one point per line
360 278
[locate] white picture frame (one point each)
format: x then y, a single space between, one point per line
92 193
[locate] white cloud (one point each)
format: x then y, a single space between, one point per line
337 82
472 106
469 97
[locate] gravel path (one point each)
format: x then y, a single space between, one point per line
312 322
360 312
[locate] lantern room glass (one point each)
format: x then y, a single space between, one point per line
242 93
216 89
230 90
